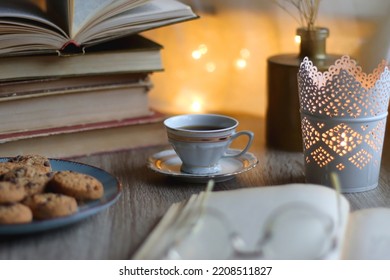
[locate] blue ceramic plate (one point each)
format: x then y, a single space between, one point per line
112 191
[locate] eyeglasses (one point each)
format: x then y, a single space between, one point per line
296 230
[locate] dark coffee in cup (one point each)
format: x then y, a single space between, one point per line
201 127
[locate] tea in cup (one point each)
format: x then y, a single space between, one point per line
201 140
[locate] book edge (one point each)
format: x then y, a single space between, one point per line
14 136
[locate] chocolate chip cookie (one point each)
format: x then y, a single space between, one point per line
11 192
15 213
29 177
78 185
41 163
7 166
51 205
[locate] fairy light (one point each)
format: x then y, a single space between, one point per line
297 39
199 52
241 63
196 54
203 49
196 106
245 53
211 67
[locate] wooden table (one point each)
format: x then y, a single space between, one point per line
116 233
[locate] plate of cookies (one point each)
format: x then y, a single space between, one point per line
39 194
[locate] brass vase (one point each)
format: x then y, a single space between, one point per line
283 122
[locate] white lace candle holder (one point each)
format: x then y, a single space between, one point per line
343 121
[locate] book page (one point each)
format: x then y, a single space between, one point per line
88 12
368 235
25 27
24 13
134 19
83 10
246 212
59 12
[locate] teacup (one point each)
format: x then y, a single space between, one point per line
201 140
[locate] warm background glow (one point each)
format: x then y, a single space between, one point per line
218 63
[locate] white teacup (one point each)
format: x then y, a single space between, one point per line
201 140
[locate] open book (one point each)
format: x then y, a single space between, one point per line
252 219
68 25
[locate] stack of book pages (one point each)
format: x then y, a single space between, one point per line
77 73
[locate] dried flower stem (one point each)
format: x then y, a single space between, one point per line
307 10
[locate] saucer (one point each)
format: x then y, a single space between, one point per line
167 162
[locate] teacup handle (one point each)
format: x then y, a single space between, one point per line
248 145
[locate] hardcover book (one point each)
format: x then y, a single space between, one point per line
134 53
92 138
74 106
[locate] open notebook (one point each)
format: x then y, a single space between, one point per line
248 213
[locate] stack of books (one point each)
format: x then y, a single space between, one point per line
77 83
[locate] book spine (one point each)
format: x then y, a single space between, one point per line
71 48
152 118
